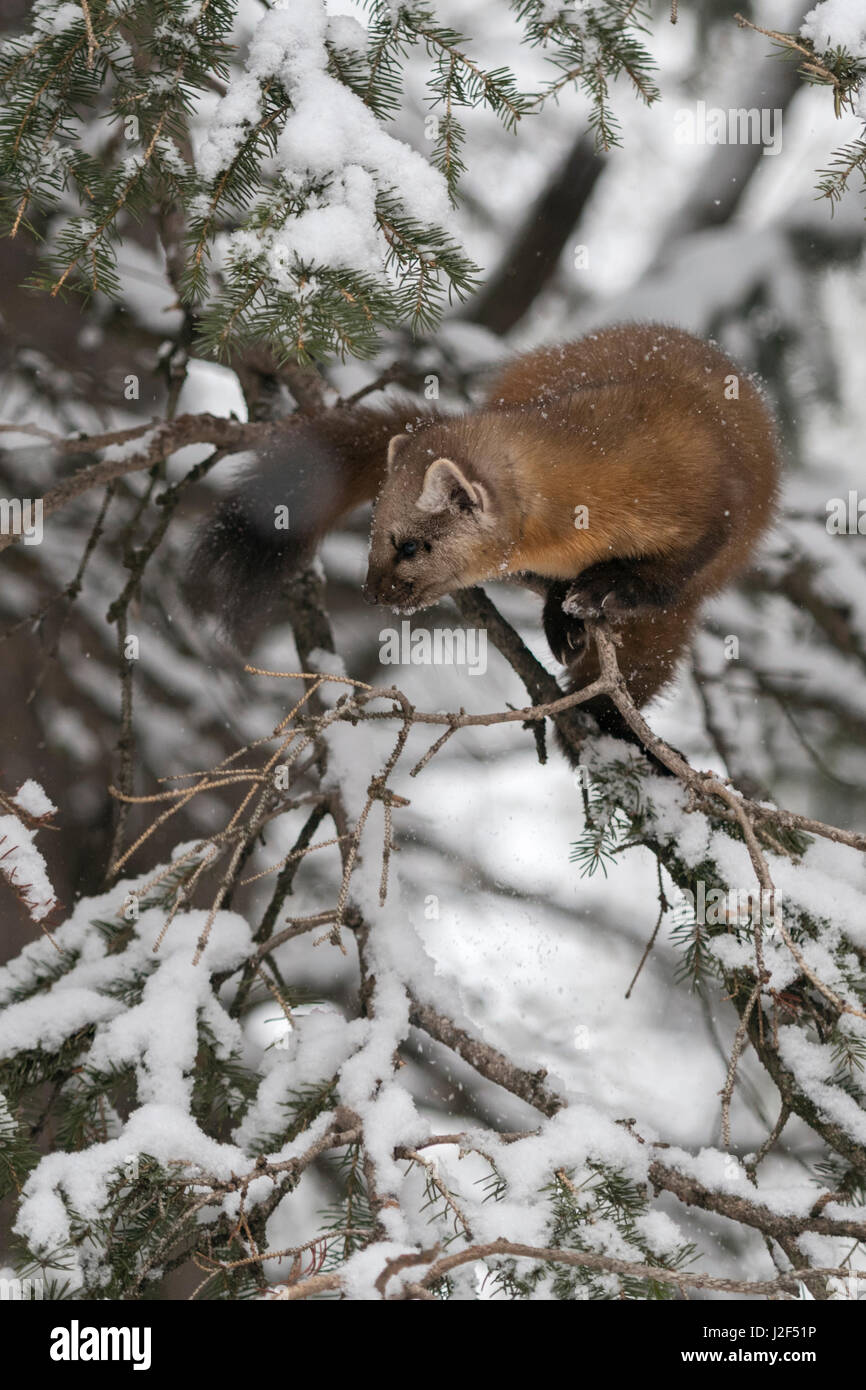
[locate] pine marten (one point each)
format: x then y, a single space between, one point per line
628 475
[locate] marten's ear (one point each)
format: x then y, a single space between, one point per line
446 488
394 447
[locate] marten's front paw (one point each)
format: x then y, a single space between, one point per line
585 607
592 602
566 636
611 590
575 639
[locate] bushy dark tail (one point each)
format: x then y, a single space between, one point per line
294 490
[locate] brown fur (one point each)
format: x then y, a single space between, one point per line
319 468
631 422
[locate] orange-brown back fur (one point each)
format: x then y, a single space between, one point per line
633 423
665 463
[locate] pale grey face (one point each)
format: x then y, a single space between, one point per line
414 555
427 527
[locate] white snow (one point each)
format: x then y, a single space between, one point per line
330 139
130 448
837 24
32 799
21 863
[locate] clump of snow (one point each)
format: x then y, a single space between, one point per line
33 800
812 1065
80 1181
48 17
330 664
157 1038
21 863
130 448
160 1035
46 1021
837 24
344 31
361 1270
332 150
314 1050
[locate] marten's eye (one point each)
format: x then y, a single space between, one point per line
406 550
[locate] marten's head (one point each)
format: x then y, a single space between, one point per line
434 524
